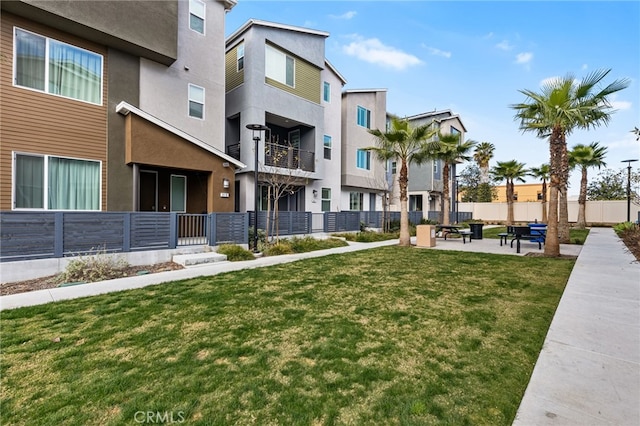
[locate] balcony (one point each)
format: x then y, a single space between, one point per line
288 157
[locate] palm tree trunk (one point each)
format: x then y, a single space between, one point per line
544 202
556 142
405 236
582 201
563 220
509 202
446 203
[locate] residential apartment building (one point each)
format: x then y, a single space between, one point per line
426 180
114 106
522 192
277 76
364 177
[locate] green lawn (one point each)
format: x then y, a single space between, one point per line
383 336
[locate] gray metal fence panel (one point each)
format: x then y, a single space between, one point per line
25 235
150 230
342 221
229 228
84 234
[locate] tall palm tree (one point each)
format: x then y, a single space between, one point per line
562 106
482 155
509 171
542 173
585 156
406 145
450 151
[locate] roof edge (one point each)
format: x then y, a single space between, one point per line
125 108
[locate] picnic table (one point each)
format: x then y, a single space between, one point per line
454 229
534 232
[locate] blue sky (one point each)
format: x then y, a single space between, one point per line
473 57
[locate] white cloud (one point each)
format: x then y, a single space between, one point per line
347 15
524 58
504 45
437 52
374 51
584 67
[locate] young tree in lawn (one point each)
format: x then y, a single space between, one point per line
583 157
450 151
509 171
562 106
407 145
542 173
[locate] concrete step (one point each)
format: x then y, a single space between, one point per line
199 258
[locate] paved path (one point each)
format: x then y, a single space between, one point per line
588 372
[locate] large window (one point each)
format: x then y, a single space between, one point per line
326 92
56 183
356 200
240 56
57 68
326 199
196 101
363 159
196 15
279 66
364 117
415 203
327 147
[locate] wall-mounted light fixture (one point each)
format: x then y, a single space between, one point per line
225 183
225 164
315 193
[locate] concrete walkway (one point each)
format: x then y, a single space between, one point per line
588 372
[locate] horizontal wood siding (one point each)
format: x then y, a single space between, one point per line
40 123
307 81
233 77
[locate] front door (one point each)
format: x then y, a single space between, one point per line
178 193
148 191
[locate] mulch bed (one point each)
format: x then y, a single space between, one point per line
52 281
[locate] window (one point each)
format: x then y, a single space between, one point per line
539 196
326 92
363 159
196 101
356 200
240 56
279 66
394 167
454 131
515 196
327 147
56 183
57 68
326 199
415 203
364 117
196 15
435 168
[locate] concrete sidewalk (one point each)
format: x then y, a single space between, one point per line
588 372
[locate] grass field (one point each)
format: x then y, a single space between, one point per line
382 336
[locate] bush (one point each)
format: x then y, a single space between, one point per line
349 236
623 227
92 267
278 249
235 253
370 237
306 244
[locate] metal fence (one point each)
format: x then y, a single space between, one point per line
40 235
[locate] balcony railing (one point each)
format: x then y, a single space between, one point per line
234 151
288 157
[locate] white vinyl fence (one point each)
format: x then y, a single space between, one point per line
597 212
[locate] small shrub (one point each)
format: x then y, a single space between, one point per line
306 244
620 228
235 253
370 237
278 249
92 267
349 236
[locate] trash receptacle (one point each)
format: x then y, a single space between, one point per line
425 236
476 230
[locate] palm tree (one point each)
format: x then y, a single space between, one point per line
482 155
585 156
407 145
562 106
450 151
509 171
542 173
